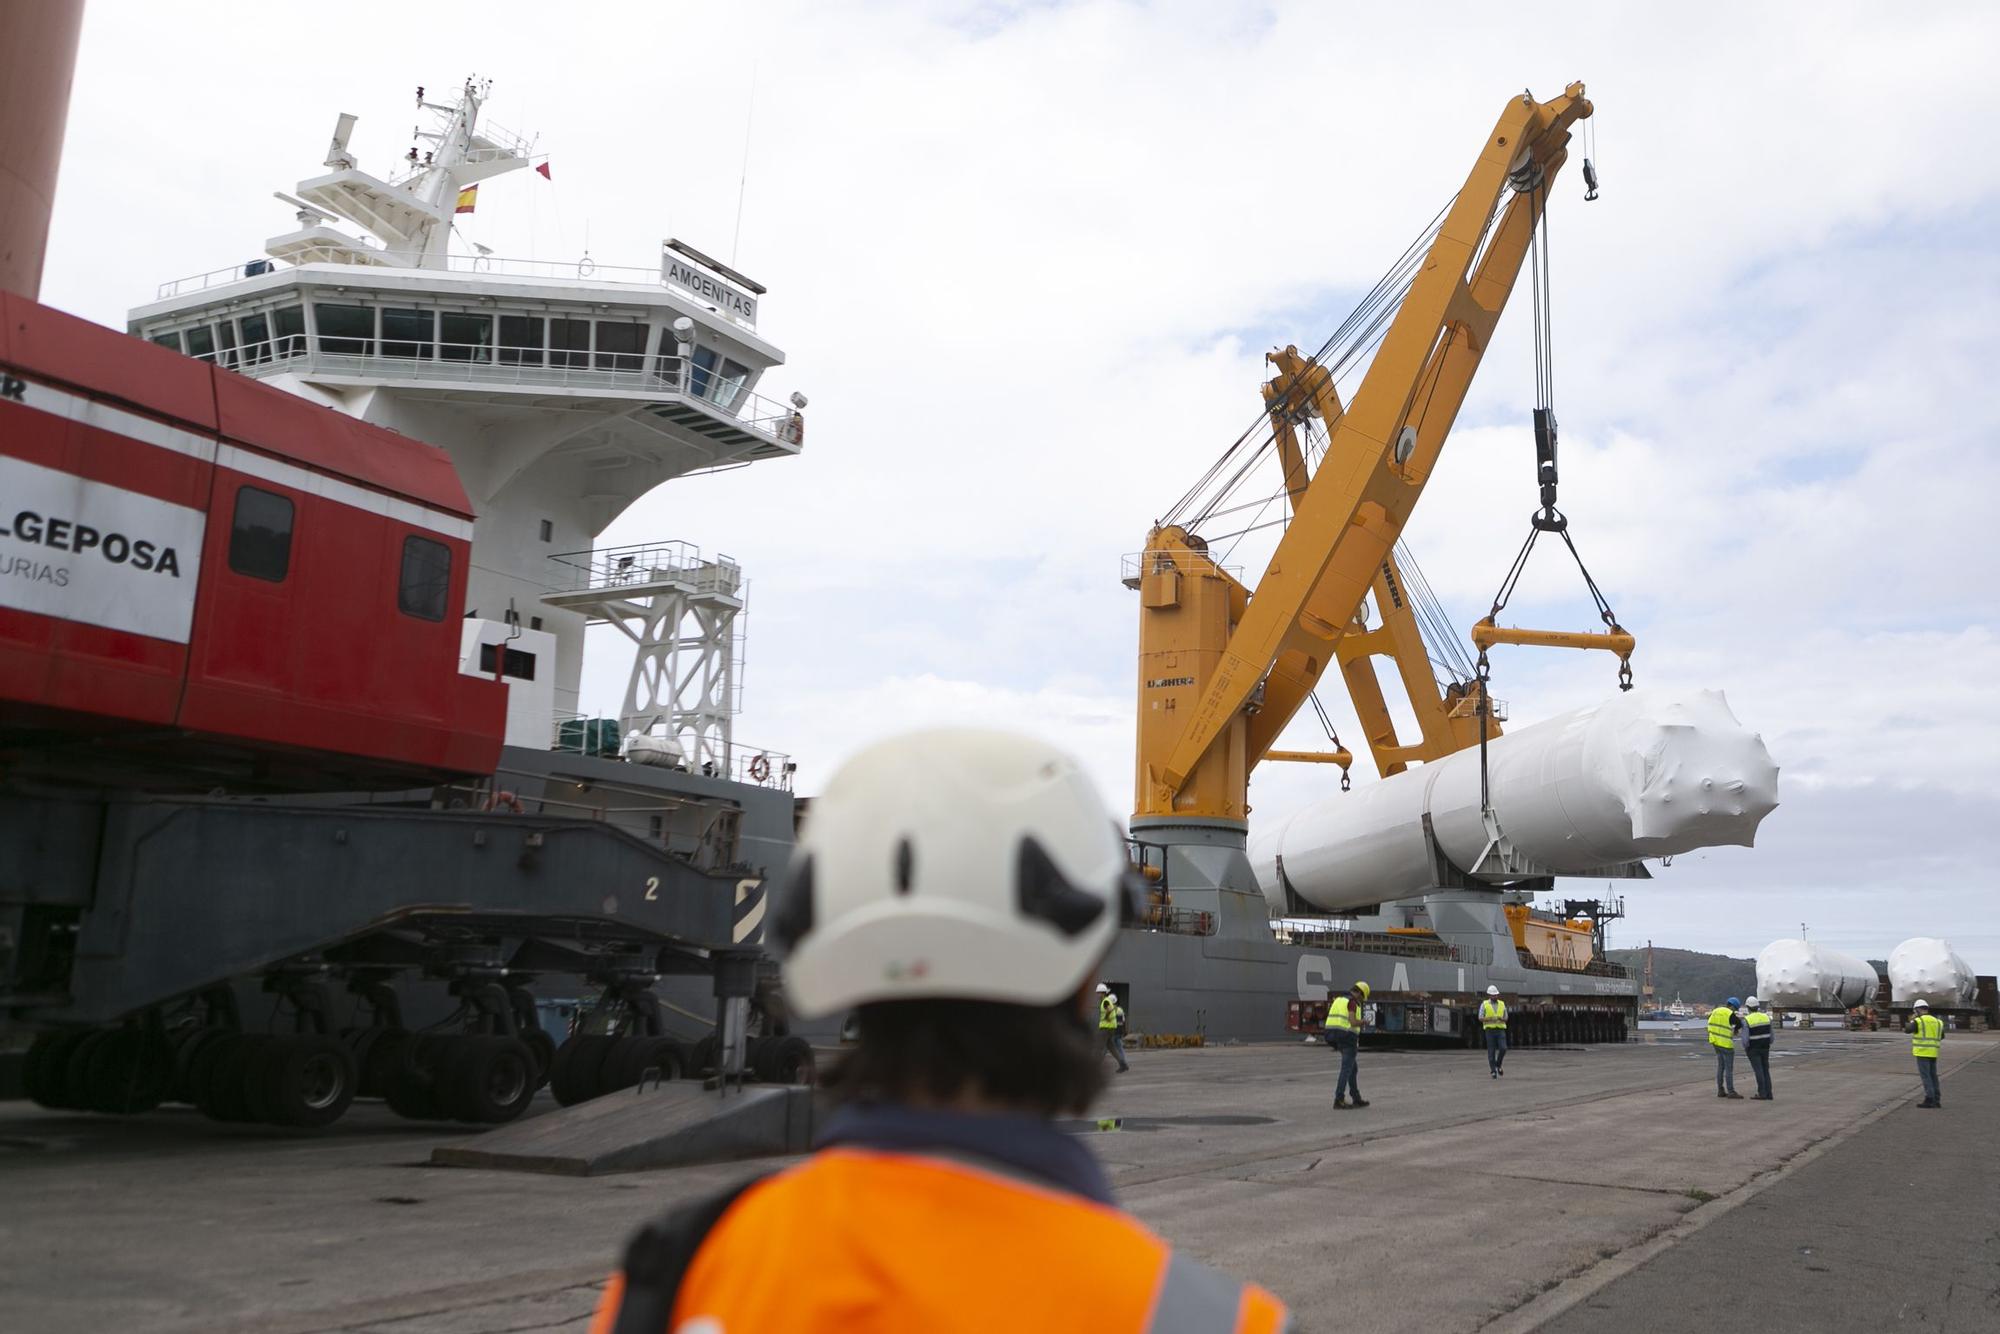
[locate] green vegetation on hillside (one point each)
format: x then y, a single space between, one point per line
1697 978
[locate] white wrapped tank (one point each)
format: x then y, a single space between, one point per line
1929 970
1801 975
1644 774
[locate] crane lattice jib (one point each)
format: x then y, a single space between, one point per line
1381 450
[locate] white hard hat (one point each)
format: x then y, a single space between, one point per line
1921 1005
1752 1002
1492 991
1102 987
952 863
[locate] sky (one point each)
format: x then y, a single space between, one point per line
1026 260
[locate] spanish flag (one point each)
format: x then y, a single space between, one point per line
468 199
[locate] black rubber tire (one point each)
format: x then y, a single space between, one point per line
634 1056
489 1080
189 1047
578 1066
378 1051
412 1085
257 1104
787 1060
543 1048
48 1057
130 1071
219 1079
200 1078
74 1095
701 1056
309 1080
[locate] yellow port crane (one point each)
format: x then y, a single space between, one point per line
1223 670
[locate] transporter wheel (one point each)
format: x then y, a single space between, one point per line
412 1081
74 1095
309 1080
634 1056
130 1071
201 1064
265 1050
787 1060
377 1052
702 1056
543 1048
42 1074
579 1065
191 1046
223 1092
489 1080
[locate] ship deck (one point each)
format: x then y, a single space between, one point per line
1592 1187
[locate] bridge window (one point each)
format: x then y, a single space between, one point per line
345 330
514 662
408 333
201 343
703 373
225 338
256 339
290 323
569 342
521 340
426 584
729 383
260 535
465 337
172 340
620 347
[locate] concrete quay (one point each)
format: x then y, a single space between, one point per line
1591 1188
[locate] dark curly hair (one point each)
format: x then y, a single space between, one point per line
1032 1058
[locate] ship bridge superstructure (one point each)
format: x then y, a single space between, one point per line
563 391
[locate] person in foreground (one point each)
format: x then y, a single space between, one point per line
1926 1032
1757 1029
1723 1026
959 890
1343 1034
1493 1021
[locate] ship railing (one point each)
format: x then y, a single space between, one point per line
567 271
1134 564
631 373
632 567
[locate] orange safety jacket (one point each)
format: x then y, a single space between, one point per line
869 1241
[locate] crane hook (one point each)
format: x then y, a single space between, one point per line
1589 181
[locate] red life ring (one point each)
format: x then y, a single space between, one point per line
760 768
508 800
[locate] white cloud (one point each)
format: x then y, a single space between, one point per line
1026 259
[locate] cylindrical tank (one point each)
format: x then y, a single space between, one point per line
37 56
1801 975
1644 774
1929 970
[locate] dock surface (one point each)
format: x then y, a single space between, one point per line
1591 1188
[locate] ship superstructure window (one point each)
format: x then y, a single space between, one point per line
201 343
225 341
256 339
464 337
172 340
521 340
345 330
514 662
260 535
729 383
425 587
620 347
702 375
407 332
569 342
290 324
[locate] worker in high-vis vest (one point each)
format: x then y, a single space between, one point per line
1723 1025
1110 1020
1926 1032
957 892
1757 1030
1343 1035
1493 1022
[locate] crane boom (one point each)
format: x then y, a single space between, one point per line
1223 670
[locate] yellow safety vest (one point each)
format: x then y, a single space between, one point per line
1493 1014
1719 1028
1340 1014
1759 1024
1107 1011
1930 1032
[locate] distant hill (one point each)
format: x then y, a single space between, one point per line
1697 978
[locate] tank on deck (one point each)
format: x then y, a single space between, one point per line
1645 774
1801 975
1929 970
